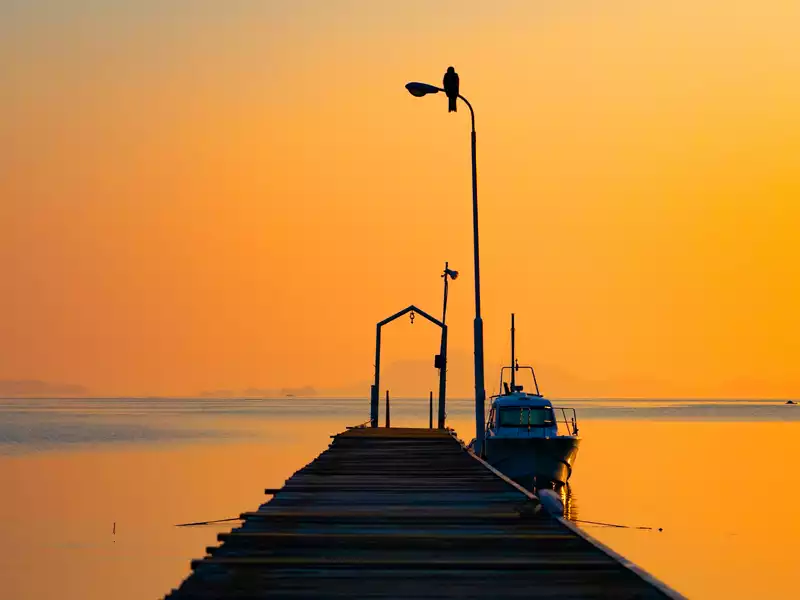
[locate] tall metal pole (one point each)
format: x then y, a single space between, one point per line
422 89
480 391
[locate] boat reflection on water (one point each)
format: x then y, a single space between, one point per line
568 500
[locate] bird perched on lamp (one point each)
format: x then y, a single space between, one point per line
450 85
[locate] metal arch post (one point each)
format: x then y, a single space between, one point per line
373 409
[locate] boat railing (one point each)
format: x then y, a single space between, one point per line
568 418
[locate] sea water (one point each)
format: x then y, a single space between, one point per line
91 490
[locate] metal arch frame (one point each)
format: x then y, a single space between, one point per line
409 309
374 392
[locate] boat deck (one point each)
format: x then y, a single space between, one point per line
408 513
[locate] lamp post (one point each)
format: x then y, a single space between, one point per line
418 89
442 358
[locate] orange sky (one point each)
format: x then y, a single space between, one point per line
229 195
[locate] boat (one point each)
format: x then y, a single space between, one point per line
526 438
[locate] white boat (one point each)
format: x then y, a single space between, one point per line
526 438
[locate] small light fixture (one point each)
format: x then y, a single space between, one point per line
415 88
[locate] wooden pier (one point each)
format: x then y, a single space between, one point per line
408 513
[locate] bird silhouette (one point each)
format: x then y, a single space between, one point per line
450 84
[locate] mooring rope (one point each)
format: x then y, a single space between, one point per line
617 525
208 522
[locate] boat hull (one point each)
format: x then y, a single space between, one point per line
533 462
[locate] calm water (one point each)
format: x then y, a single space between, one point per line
718 477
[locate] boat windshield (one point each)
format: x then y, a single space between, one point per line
533 416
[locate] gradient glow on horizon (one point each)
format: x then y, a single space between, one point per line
204 195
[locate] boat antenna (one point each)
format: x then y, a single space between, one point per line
513 358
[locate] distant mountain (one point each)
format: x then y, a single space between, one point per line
35 387
254 392
306 390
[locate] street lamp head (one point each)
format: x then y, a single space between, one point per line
452 274
415 88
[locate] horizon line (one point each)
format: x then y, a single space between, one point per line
366 399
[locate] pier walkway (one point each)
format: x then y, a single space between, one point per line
408 513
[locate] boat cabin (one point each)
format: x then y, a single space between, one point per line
521 415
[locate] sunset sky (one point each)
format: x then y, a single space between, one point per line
200 195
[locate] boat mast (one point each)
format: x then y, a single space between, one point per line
513 357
